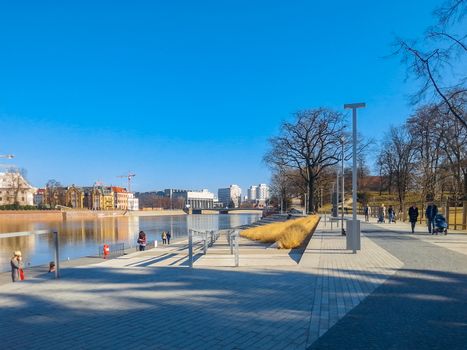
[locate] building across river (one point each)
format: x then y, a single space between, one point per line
193 199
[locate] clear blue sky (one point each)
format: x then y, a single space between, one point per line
186 93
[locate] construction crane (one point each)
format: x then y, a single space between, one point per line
129 176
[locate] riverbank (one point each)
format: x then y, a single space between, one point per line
57 215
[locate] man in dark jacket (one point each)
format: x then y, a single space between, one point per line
431 211
413 216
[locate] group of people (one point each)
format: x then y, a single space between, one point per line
17 267
166 236
430 215
382 212
142 239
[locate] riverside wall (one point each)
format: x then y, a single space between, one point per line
46 215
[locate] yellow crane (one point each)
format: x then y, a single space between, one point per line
128 176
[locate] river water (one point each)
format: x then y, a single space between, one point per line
80 238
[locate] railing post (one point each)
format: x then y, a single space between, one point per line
237 258
57 256
205 248
230 242
190 248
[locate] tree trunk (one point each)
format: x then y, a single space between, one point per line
310 194
465 187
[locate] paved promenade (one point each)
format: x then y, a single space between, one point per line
399 291
422 306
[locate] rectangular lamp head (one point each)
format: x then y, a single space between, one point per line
354 105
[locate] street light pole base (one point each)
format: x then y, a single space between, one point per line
353 235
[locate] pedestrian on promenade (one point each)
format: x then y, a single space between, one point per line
366 211
142 241
164 237
391 214
413 216
381 214
16 266
430 213
169 236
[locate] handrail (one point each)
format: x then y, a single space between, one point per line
208 238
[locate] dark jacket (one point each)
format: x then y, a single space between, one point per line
413 214
431 212
15 266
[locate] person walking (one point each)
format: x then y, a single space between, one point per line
142 241
169 236
413 216
381 214
430 213
391 214
164 237
366 211
16 266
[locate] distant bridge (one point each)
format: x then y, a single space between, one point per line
227 211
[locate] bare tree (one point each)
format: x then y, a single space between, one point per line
438 60
427 134
310 144
454 145
52 189
16 178
398 154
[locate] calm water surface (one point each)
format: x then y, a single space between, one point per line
80 238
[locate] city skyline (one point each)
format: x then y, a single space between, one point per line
187 95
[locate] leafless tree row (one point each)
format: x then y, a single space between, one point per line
427 155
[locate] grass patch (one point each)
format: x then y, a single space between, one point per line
288 234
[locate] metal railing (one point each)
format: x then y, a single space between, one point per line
115 249
200 240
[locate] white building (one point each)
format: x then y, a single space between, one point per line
252 193
133 203
15 189
193 199
231 196
262 192
200 199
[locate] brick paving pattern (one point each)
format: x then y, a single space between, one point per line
150 301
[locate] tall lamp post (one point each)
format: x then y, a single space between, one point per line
337 197
353 227
342 140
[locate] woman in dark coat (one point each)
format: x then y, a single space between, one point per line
142 241
16 265
413 216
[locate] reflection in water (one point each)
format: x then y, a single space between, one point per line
82 237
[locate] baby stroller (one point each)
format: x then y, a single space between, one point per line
441 226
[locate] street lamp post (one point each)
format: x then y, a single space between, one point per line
333 202
353 230
342 139
337 197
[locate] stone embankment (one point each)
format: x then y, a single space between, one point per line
46 215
